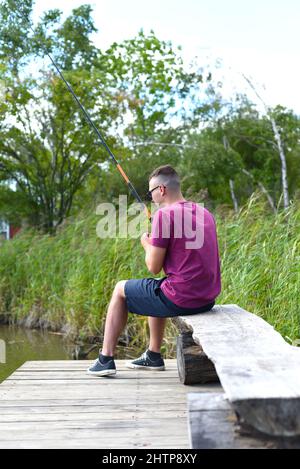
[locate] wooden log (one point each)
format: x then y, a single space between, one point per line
258 370
193 365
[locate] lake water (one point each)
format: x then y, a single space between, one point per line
22 344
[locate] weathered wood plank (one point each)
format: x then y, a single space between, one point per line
45 407
116 426
81 364
258 370
82 375
95 414
96 443
104 413
123 383
87 402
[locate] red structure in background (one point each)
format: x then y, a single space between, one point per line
13 230
8 231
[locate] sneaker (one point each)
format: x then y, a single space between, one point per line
146 363
100 369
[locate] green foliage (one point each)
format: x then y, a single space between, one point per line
14 32
207 164
151 111
260 263
149 108
48 149
42 149
66 281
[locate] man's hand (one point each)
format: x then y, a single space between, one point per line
145 240
154 255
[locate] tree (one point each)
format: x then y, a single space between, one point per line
278 140
251 135
47 149
161 101
207 164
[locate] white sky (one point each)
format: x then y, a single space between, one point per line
259 38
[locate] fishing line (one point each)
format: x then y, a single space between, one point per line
95 128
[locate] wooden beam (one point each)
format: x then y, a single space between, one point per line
258 370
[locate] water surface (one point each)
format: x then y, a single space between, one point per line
23 344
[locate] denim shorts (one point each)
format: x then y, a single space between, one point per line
145 297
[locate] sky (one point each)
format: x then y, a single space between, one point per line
257 38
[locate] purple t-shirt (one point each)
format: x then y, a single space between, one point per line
192 263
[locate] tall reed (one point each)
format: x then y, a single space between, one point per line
64 282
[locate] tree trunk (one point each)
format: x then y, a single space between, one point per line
263 189
286 200
234 199
285 189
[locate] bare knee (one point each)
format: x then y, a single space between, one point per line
120 288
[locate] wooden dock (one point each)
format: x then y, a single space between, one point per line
55 404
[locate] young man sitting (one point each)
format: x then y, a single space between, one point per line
183 242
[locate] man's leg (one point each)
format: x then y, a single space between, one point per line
157 329
152 360
116 319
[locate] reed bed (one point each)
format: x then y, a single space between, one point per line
64 282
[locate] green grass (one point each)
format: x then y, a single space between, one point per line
260 264
65 282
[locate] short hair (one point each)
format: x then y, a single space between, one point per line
167 176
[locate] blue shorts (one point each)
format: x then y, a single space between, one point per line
145 297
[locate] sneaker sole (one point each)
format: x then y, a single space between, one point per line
152 368
102 373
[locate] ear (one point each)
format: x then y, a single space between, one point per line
162 190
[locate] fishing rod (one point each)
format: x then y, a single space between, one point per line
96 130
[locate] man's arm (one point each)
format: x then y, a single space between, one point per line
154 255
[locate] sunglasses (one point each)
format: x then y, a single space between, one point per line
149 193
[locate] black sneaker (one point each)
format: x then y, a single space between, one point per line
100 369
146 363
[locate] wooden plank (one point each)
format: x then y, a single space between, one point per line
82 374
54 412
80 395
116 426
214 425
94 385
82 364
44 406
96 443
85 381
87 402
130 432
116 399
258 370
99 413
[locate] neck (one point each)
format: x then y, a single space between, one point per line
172 200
